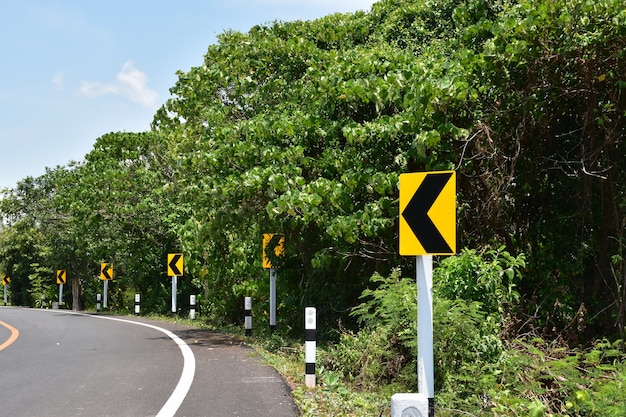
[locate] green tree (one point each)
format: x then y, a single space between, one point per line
120 207
36 234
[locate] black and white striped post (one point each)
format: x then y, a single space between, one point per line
137 304
98 301
192 306
247 305
309 346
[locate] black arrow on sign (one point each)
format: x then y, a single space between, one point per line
173 266
416 213
61 277
105 272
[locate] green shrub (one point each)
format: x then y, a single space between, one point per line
489 277
386 347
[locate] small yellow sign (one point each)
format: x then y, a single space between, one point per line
428 213
175 264
106 271
61 276
6 279
275 242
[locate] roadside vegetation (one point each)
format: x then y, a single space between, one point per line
302 129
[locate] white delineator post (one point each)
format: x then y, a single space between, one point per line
98 299
192 306
247 305
310 345
272 299
137 304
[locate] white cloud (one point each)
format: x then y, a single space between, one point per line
57 80
130 83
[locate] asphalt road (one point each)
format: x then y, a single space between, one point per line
79 365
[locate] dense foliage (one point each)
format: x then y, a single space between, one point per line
303 128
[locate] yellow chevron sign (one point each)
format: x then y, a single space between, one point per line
175 264
106 271
428 213
272 241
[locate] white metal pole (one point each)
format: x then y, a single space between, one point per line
5 294
105 304
60 294
425 360
272 299
174 294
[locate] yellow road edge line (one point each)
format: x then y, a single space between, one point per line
14 335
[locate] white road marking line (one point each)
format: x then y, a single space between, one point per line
186 377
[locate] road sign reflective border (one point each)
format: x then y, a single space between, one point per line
428 213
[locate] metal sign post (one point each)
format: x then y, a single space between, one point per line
5 281
276 244
106 274
61 278
174 291
425 357
427 227
272 299
105 304
175 263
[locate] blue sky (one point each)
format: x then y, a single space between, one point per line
73 70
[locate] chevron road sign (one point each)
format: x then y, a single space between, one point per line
428 213
275 242
174 264
106 271
61 276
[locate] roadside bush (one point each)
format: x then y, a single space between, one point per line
489 276
385 349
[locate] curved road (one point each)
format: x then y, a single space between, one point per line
63 363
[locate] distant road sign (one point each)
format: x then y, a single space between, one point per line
428 213
272 241
6 280
61 276
106 271
175 264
